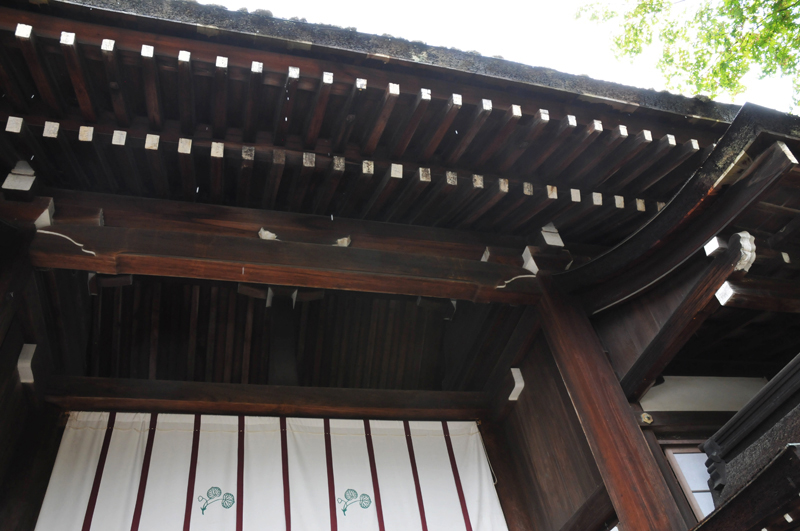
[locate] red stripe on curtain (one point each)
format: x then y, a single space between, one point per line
457 478
240 476
287 509
331 485
148 451
374 471
416 475
98 475
187 516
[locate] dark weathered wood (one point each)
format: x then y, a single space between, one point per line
509 488
526 137
80 82
688 422
458 201
606 143
152 87
574 148
647 158
358 190
28 45
219 107
685 319
504 131
595 513
317 112
763 294
9 80
663 167
405 201
217 172
374 132
116 84
343 125
209 220
155 320
405 132
596 175
382 191
103 394
252 100
284 106
283 342
465 138
637 490
439 126
158 172
274 176
186 169
764 501
772 164
130 171
555 137
301 182
244 184
157 252
55 140
186 91
496 191
330 183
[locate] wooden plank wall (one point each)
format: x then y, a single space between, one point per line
549 450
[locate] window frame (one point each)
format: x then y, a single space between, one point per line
670 452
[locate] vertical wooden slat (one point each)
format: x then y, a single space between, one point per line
274 176
229 337
255 81
465 138
316 113
80 84
211 342
327 189
405 132
191 350
248 336
37 67
115 83
439 126
244 183
342 127
217 172
374 132
285 105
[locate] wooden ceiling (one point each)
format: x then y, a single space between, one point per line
96 108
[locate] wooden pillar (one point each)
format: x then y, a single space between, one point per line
634 482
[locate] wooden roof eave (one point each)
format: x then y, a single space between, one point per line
694 215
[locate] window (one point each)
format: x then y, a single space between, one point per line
689 465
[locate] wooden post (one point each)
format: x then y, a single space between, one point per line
635 485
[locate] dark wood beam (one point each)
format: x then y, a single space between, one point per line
690 205
317 112
179 216
282 342
180 254
28 45
186 91
687 299
255 82
119 100
219 108
596 511
285 105
104 394
635 485
761 294
406 131
80 82
152 87
636 262
373 133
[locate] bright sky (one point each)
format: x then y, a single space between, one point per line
534 32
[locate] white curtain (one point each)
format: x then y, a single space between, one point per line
243 468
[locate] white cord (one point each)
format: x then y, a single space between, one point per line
70 239
509 281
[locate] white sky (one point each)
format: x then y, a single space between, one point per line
535 32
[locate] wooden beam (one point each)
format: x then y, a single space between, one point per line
282 342
285 105
301 182
274 177
374 132
506 129
152 87
520 143
317 112
686 318
637 490
104 394
596 511
219 108
162 253
760 294
466 137
186 169
244 183
158 173
186 93
116 84
408 196
405 132
80 83
217 172
343 126
252 99
216 220
327 189
28 45
439 126
615 274
382 191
